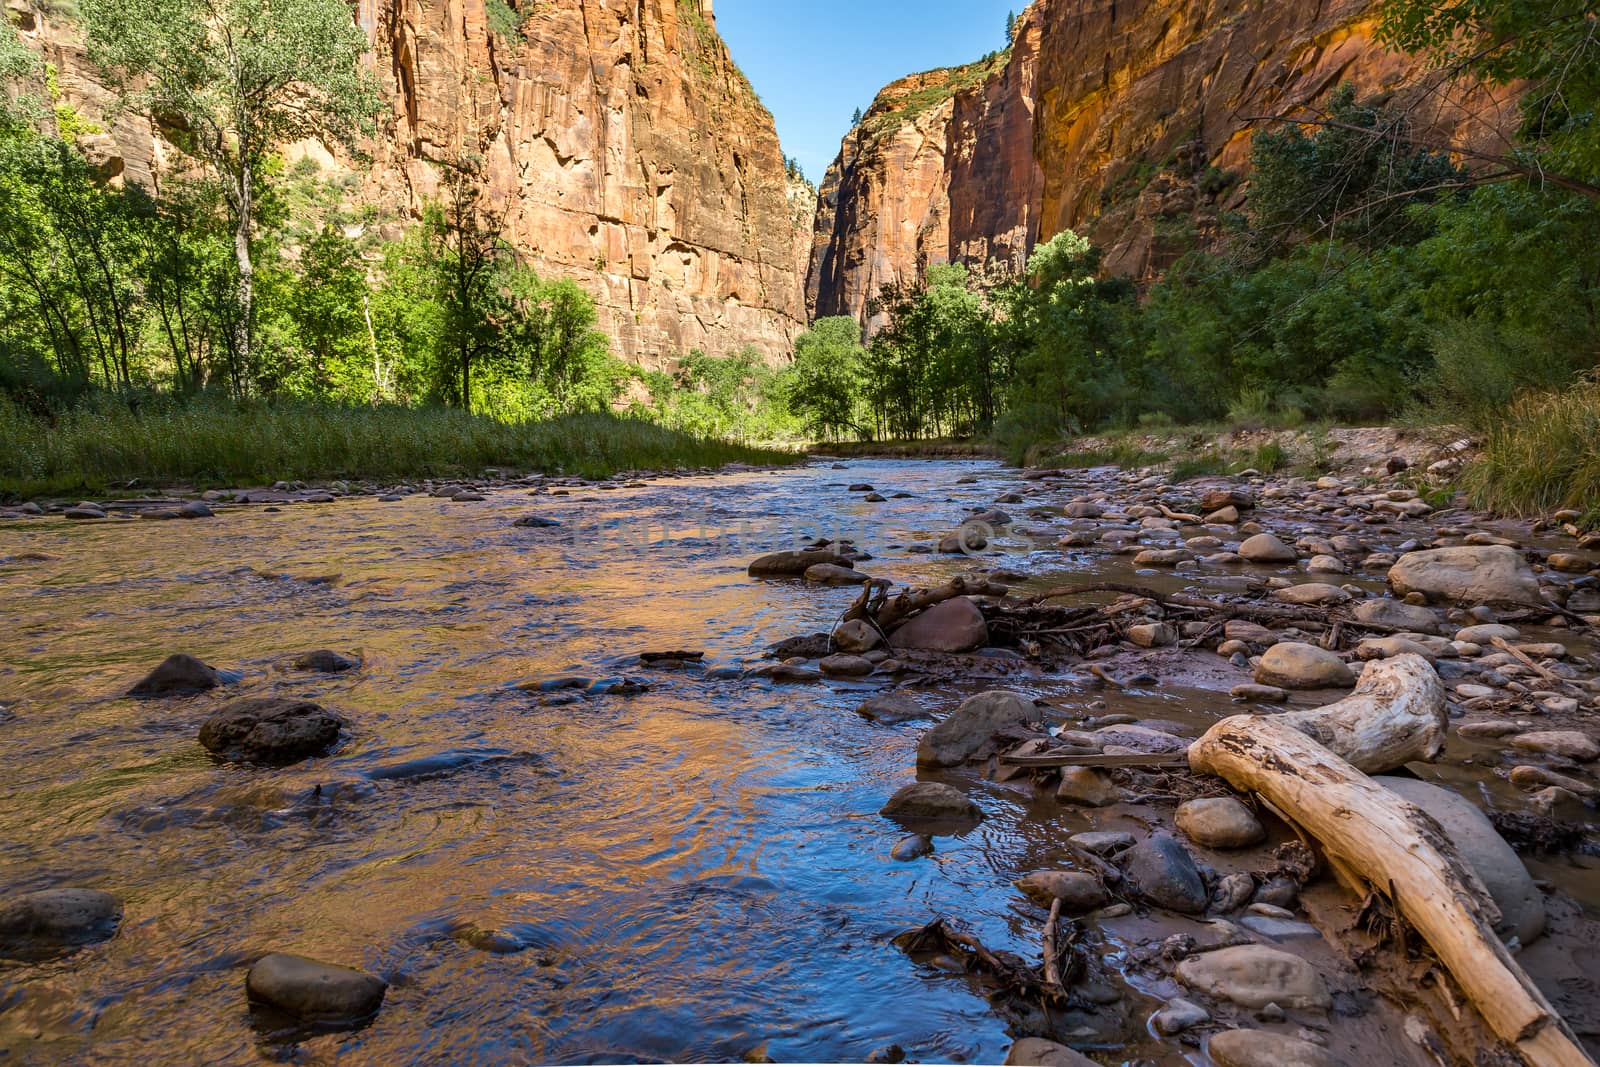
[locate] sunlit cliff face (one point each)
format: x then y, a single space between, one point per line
1106 118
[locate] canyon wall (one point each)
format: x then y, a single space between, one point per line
625 146
1128 120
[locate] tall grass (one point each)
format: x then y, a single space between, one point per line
1541 453
213 443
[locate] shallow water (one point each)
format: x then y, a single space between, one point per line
695 871
692 873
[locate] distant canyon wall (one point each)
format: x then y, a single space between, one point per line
1105 117
624 144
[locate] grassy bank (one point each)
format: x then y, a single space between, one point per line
205 444
1542 454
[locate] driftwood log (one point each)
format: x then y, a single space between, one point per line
1309 767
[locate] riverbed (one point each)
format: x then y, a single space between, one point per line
692 872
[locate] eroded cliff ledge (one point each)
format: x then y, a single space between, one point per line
1129 120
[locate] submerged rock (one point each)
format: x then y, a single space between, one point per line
1467 574
930 800
271 730
968 730
834 574
178 673
324 660
314 992
48 921
794 563
890 708
912 847
1254 976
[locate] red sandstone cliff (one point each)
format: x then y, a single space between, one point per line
627 148
1105 117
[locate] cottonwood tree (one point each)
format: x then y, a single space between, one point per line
232 82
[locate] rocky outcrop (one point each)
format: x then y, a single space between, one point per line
940 170
625 146
1128 121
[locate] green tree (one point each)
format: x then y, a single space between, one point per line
328 307
1352 178
825 382
1011 27
1550 47
235 80
567 361
17 66
855 120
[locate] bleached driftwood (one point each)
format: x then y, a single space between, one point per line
1307 765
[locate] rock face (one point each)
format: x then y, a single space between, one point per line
1467 574
1128 122
626 147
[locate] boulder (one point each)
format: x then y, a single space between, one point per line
968 731
930 800
271 730
178 673
1254 976
314 992
1481 846
954 625
1219 822
43 923
793 563
1397 614
1467 574
1164 874
1265 548
1078 891
856 637
1037 1052
1264 1048
1292 665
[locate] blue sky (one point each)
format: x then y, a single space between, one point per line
815 62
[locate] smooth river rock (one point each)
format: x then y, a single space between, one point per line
1481 846
271 730
324 660
1254 976
956 625
793 563
1037 1052
314 992
890 708
177 674
1382 611
1565 744
930 800
1292 665
1264 1048
855 637
1219 822
1265 548
50 920
968 730
1467 574
1078 891
1165 874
